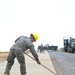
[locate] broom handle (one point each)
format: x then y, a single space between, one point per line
40 64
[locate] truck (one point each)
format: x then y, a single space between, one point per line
48 47
69 45
53 48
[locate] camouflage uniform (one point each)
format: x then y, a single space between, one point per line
21 44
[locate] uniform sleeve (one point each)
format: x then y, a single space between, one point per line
34 52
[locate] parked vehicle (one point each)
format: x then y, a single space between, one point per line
69 45
54 48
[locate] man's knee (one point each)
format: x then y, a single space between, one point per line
21 58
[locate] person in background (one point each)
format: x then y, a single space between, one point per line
22 44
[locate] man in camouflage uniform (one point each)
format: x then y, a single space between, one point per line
21 44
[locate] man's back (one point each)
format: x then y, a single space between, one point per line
23 43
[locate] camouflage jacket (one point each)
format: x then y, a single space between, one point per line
23 43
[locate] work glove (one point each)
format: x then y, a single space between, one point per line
38 62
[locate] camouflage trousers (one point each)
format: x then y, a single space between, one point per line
10 61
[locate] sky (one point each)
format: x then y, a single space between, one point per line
51 20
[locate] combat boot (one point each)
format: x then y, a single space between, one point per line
6 74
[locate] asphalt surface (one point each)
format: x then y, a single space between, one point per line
64 62
32 67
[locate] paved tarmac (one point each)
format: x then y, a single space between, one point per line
64 62
32 67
